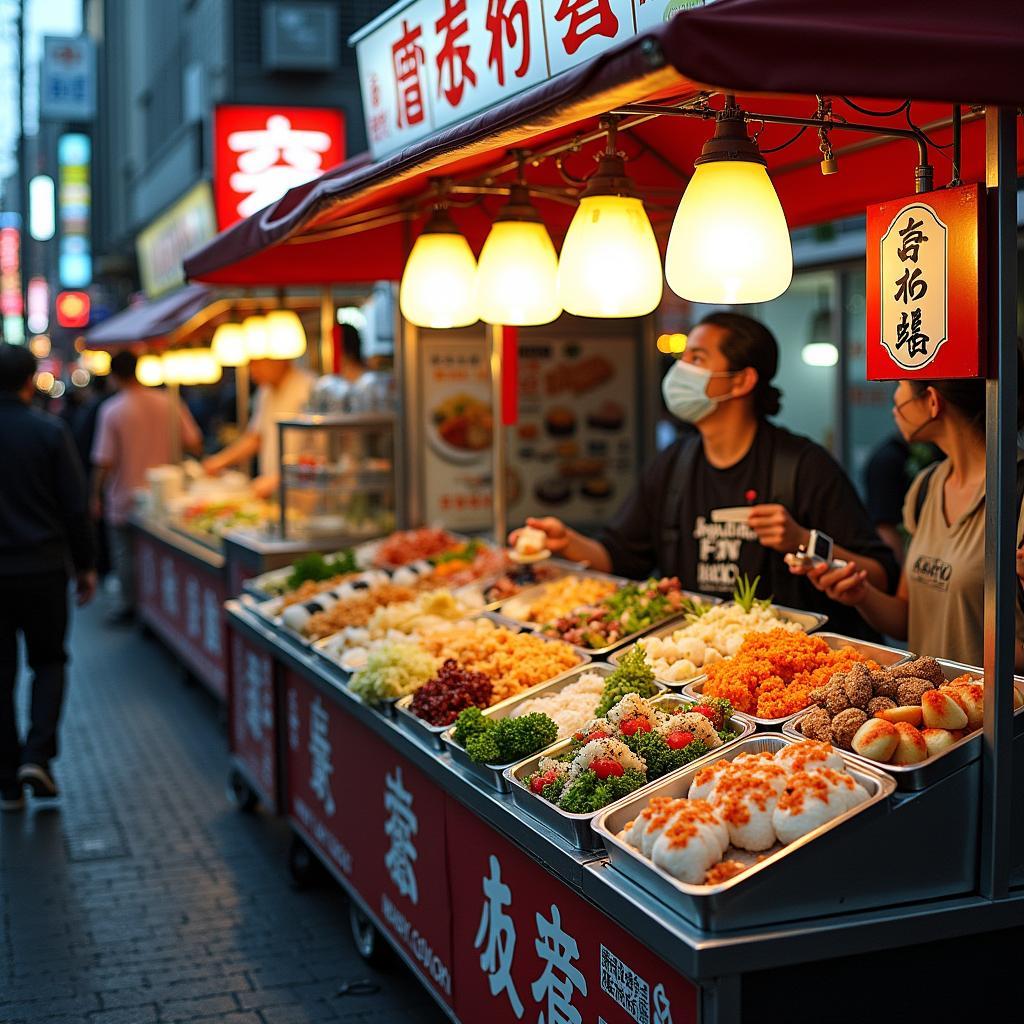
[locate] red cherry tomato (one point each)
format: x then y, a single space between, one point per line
631 726
603 767
538 783
597 734
678 740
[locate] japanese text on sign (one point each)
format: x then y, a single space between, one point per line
439 61
913 285
401 828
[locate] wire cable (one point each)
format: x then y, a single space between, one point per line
876 113
788 142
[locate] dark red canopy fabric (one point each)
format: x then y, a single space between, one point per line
151 319
356 223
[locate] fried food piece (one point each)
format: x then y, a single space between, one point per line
921 668
845 726
817 725
911 690
836 700
877 704
886 684
858 687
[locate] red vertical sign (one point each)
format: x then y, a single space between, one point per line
527 948
925 303
253 724
377 819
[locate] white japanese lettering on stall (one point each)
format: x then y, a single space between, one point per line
401 828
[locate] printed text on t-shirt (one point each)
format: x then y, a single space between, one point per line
718 553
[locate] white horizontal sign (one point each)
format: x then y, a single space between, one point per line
428 64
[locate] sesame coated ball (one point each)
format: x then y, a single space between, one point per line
845 724
921 668
885 684
817 725
836 700
877 704
910 690
858 689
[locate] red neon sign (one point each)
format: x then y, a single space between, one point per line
73 309
259 153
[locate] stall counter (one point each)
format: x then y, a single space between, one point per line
438 862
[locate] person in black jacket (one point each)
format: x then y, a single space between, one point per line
769 487
45 533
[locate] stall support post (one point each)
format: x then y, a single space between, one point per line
242 397
499 481
174 391
1000 501
327 331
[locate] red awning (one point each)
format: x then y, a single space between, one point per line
356 223
154 318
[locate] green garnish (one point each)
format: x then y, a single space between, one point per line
508 739
589 793
633 675
745 594
318 568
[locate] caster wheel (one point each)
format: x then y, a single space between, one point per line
305 869
369 944
240 793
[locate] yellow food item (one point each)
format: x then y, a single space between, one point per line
565 595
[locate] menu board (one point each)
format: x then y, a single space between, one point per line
574 452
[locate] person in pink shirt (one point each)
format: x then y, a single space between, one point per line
133 434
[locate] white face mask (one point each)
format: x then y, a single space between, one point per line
685 390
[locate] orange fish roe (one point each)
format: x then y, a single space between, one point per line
691 814
772 674
723 871
799 755
659 810
818 785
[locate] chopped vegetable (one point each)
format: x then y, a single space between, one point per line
633 675
508 739
316 567
589 793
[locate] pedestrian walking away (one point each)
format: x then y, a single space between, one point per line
45 536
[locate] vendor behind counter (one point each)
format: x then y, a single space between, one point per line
735 458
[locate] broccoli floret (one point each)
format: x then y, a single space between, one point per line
660 757
553 790
469 723
633 675
520 737
482 747
589 793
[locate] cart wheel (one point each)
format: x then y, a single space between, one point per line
303 866
240 793
369 944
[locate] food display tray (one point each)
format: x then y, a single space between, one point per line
600 652
257 585
884 656
560 566
576 829
910 777
787 883
493 775
811 622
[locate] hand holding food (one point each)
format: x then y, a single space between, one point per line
530 546
776 528
555 531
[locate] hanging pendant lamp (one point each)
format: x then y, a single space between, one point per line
438 286
517 279
610 264
729 242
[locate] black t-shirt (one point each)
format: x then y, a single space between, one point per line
887 481
644 535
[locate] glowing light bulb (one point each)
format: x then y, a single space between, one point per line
729 242
287 339
229 345
257 337
149 371
438 286
517 279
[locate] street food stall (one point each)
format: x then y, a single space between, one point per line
521 802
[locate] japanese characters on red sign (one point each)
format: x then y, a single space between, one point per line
259 153
377 819
439 61
925 299
253 725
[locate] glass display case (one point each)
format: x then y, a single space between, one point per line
338 476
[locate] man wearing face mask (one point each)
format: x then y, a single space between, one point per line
939 605
787 484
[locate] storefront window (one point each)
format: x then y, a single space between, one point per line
802 321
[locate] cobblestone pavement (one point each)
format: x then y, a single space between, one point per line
146 897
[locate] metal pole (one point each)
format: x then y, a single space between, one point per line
1000 499
327 331
242 397
499 483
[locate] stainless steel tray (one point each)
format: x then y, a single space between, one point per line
530 594
811 622
599 652
257 585
885 656
715 907
576 829
559 566
911 777
433 735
